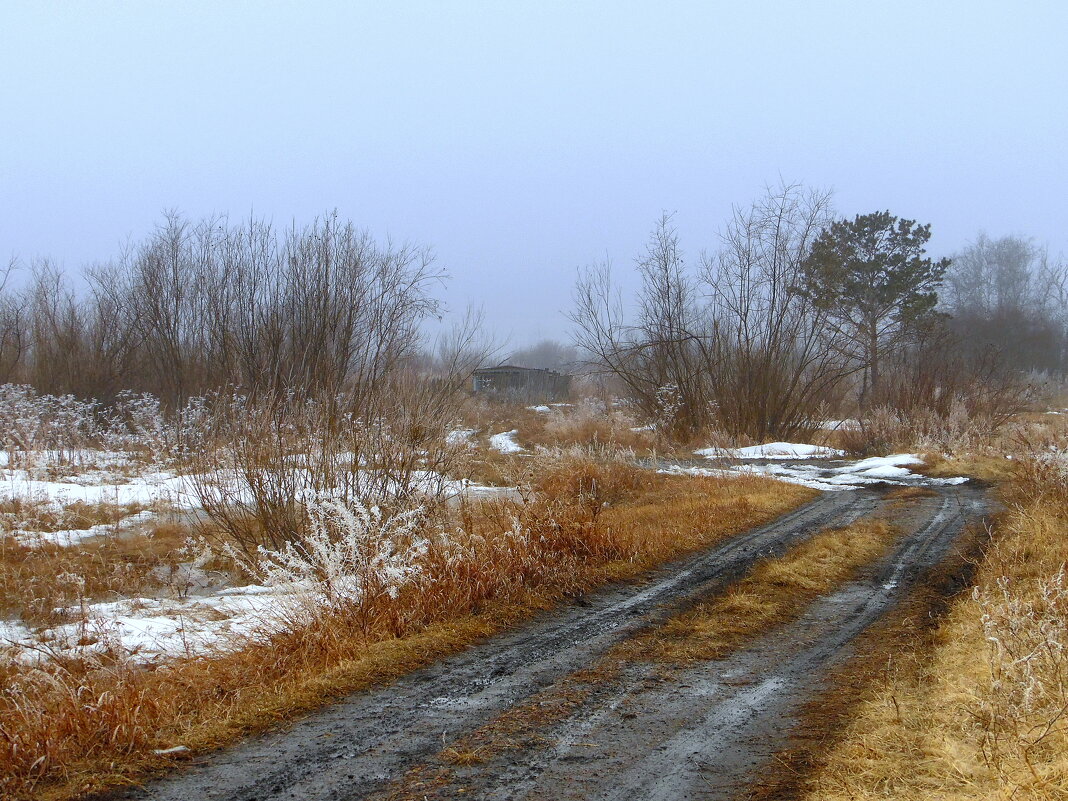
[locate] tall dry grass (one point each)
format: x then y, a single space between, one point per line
983 716
73 726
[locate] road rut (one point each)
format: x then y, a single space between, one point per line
639 733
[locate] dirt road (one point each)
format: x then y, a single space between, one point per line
545 712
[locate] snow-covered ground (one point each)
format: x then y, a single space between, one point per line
73 536
816 466
772 450
505 442
145 489
198 614
151 629
180 616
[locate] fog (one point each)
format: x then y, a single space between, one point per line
523 142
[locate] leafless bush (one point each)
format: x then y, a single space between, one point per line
268 455
664 345
736 348
943 397
211 305
30 421
937 373
776 359
82 346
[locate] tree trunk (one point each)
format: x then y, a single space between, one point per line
873 366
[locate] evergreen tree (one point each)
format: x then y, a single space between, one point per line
871 275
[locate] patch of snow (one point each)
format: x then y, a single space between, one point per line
877 462
143 490
831 476
773 450
542 409
73 536
877 470
704 472
461 436
505 442
151 629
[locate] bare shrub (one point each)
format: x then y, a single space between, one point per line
347 554
737 347
31 422
777 360
941 397
663 346
268 456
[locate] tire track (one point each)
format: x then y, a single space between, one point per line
704 731
364 743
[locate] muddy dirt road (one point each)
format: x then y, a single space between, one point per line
546 712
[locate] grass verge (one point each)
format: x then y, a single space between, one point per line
776 591
894 645
977 707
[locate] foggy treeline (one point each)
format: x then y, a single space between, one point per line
770 332
200 307
749 338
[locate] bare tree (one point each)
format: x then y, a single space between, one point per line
777 360
661 358
13 337
1004 294
739 346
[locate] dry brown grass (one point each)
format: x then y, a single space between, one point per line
908 493
776 591
39 515
587 421
36 583
990 468
981 715
79 727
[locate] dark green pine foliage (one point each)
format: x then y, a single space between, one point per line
872 278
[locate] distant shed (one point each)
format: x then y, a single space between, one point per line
521 384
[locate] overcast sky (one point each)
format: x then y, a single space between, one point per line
523 140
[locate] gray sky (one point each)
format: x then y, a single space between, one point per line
522 140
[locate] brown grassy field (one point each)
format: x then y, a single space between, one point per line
978 711
37 581
76 726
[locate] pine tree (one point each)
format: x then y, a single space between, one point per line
872 277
